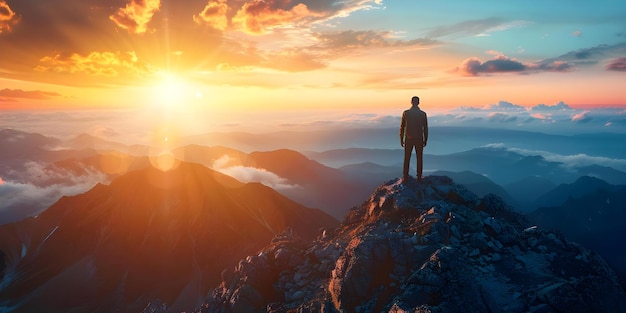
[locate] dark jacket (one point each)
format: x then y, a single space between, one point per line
414 125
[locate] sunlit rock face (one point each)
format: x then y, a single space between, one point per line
149 235
423 247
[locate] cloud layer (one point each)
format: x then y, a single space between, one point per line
39 187
252 174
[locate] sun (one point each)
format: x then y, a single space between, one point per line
173 92
169 90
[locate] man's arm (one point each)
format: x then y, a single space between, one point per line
402 128
425 129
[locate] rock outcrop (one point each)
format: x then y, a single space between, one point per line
423 247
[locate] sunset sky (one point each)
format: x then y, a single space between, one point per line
235 57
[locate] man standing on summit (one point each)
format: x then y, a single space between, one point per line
413 133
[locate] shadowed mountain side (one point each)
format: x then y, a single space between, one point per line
526 190
148 235
591 213
320 186
582 186
306 181
345 157
423 247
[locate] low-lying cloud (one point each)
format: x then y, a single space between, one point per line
248 174
32 191
570 161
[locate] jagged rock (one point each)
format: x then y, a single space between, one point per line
426 247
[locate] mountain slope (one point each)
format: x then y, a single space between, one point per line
148 235
595 219
582 186
428 247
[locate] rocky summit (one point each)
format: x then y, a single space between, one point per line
423 247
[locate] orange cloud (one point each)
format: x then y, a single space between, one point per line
96 63
136 15
8 18
259 17
214 15
541 116
27 94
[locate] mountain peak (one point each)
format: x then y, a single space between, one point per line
424 247
148 235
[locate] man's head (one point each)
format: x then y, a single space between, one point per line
415 100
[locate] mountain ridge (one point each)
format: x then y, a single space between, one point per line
113 247
423 247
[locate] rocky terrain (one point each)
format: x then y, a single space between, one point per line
428 247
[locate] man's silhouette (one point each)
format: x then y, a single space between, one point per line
413 133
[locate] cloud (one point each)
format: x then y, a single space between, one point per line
482 27
351 39
582 117
214 15
557 118
561 106
8 18
136 15
252 174
506 106
40 186
564 63
582 57
96 63
618 65
261 17
574 160
258 17
27 94
501 64
501 117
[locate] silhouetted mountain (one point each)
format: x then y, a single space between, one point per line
591 213
430 247
343 157
501 165
321 186
85 141
307 181
148 235
582 186
20 147
526 190
608 174
370 174
209 155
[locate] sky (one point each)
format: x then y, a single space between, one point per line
237 62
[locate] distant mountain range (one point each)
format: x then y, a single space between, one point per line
148 235
442 140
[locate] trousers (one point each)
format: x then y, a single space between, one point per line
409 145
